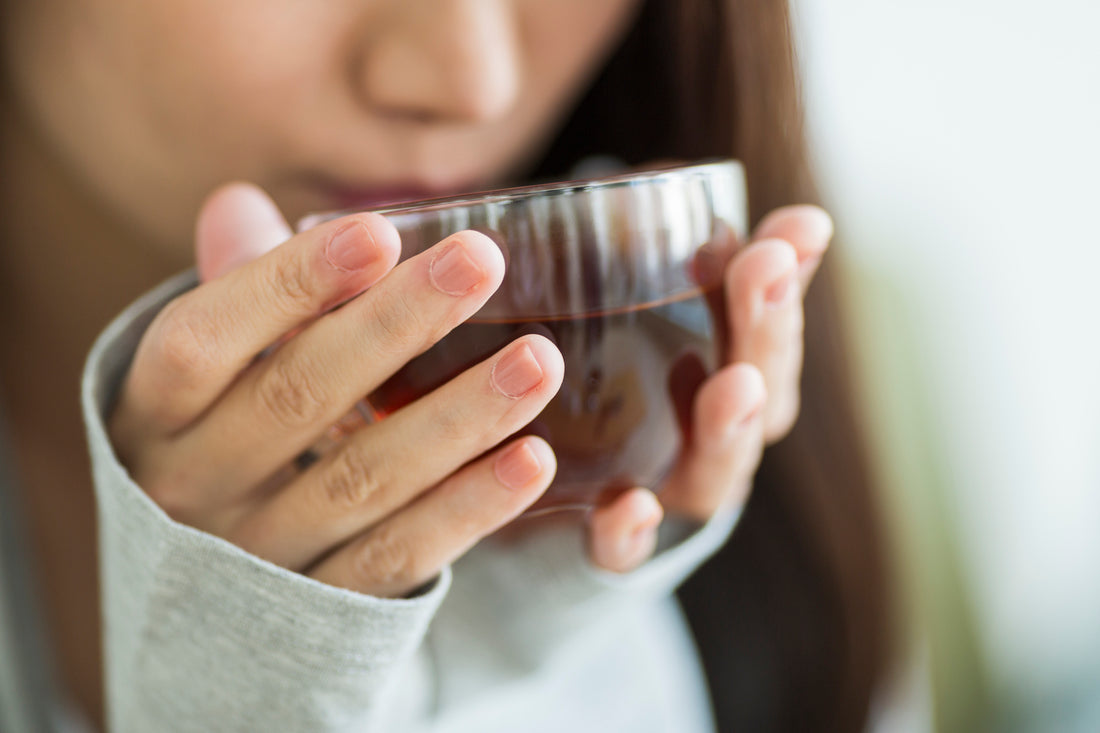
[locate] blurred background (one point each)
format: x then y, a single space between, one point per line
957 142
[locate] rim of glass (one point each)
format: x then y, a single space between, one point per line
499 195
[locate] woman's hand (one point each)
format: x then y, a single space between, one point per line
208 431
751 402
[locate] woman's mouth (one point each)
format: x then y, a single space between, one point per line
331 196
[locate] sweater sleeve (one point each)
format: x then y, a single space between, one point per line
549 603
200 635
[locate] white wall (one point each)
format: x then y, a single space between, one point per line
958 144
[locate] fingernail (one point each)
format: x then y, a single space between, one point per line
780 290
517 373
821 224
517 467
453 272
351 248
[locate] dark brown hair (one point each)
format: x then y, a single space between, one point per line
792 617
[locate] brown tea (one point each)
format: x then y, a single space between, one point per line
621 415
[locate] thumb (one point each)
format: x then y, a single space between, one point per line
237 223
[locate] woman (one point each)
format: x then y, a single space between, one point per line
222 608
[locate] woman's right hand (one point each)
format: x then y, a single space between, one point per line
203 426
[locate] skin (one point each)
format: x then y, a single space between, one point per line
124 115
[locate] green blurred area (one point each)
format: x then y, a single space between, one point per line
911 464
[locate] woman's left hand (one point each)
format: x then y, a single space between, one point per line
751 402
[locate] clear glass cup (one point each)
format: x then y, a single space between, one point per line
624 274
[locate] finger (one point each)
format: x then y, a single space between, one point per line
806 228
412 546
237 224
386 465
716 468
623 534
201 341
765 312
285 403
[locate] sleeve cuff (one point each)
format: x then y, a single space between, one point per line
201 635
682 546
547 594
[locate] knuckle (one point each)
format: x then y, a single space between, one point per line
398 323
453 425
295 291
351 481
473 521
385 560
289 395
185 340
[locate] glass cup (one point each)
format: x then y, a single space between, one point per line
624 275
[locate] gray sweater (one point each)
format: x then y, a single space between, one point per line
202 636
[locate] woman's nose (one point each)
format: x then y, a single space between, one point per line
442 60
